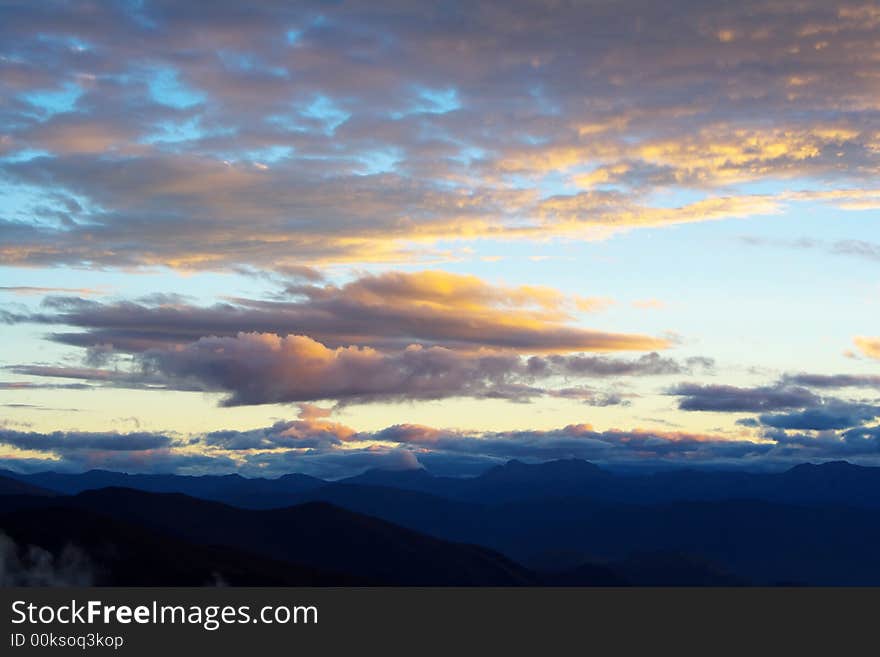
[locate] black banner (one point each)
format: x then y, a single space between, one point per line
543 621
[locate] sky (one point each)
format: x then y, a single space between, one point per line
322 237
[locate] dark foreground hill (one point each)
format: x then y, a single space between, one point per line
64 546
230 489
121 537
317 536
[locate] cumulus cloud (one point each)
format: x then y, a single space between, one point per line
267 368
389 336
311 430
393 309
264 368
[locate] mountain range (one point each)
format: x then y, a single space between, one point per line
558 523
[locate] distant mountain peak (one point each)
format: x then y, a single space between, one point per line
571 464
572 468
827 466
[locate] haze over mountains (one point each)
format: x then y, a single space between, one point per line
560 523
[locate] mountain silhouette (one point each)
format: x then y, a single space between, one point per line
829 483
317 535
12 486
77 547
811 524
231 489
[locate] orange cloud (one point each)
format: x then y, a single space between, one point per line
868 346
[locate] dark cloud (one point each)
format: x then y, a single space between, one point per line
727 398
833 380
787 405
867 436
830 415
70 441
826 445
803 409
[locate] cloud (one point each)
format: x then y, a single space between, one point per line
147 135
62 442
137 378
332 450
34 566
833 380
23 290
601 366
868 346
265 368
859 248
324 448
855 248
389 310
727 398
592 397
311 430
379 337
831 415
334 464
32 385
803 410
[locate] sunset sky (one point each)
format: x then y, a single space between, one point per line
326 236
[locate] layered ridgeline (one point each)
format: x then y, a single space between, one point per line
561 523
